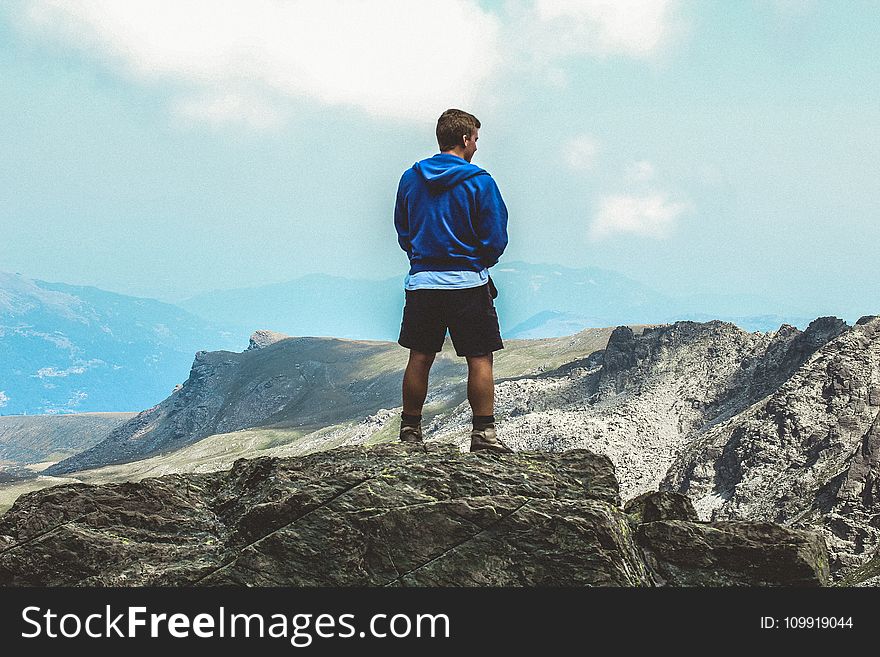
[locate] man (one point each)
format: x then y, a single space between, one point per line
452 223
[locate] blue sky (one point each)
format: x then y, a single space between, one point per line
165 148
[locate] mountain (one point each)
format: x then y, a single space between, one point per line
646 395
66 348
751 323
535 301
807 454
553 324
392 515
300 385
527 289
32 439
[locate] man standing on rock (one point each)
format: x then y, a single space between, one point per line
452 223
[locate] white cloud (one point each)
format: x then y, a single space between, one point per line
637 28
652 215
239 60
4 398
80 368
580 152
43 372
50 408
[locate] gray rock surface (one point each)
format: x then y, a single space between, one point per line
647 396
807 455
391 515
660 505
732 553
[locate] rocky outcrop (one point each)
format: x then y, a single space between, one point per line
263 338
808 455
868 574
681 551
734 553
193 411
391 515
660 505
648 395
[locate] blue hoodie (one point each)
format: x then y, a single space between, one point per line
450 216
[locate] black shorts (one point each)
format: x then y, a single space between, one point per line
468 313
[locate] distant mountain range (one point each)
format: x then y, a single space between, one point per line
67 348
535 301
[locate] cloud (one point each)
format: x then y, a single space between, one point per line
652 215
636 28
80 368
4 398
247 62
580 152
75 399
244 61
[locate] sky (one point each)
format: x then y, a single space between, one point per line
168 147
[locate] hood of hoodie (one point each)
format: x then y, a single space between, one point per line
444 171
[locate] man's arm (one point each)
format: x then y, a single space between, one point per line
401 220
491 224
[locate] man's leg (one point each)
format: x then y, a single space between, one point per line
415 381
481 384
481 395
415 389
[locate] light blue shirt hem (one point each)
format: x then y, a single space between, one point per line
445 280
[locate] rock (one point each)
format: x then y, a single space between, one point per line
807 455
263 338
660 505
773 427
868 574
734 553
394 514
648 395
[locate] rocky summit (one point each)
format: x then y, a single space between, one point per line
805 455
392 515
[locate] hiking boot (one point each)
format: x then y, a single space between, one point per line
486 439
410 434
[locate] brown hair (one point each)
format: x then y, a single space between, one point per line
452 125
